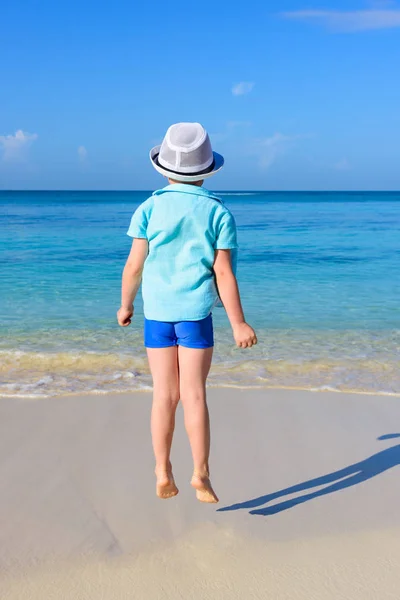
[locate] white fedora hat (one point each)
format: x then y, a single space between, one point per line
186 154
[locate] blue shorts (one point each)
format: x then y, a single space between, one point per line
189 334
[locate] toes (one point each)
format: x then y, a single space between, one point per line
204 490
166 487
207 497
164 493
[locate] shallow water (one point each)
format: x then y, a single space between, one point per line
318 274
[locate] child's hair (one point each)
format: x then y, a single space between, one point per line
198 183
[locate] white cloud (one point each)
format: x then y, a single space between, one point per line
348 21
82 153
244 87
269 149
14 146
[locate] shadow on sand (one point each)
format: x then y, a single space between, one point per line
339 480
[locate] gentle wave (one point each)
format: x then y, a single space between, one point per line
41 374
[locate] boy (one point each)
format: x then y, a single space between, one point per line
183 237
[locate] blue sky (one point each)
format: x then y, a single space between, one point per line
296 95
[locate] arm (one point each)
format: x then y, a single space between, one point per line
131 278
244 335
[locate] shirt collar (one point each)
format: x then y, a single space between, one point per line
184 188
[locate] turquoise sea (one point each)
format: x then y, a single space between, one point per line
319 275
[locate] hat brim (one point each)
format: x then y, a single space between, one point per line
217 166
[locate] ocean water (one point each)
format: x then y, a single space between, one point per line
319 275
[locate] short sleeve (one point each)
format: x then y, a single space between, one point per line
227 234
139 222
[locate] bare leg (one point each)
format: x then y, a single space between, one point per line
164 369
194 365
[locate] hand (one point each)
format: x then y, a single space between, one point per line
245 336
124 316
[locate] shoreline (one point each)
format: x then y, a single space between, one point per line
323 390
350 363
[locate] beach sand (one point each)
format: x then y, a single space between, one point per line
80 519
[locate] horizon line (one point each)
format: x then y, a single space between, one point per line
221 191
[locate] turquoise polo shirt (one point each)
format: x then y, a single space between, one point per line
184 225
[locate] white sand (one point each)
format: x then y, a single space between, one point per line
79 518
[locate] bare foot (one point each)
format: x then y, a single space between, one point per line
203 487
165 487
